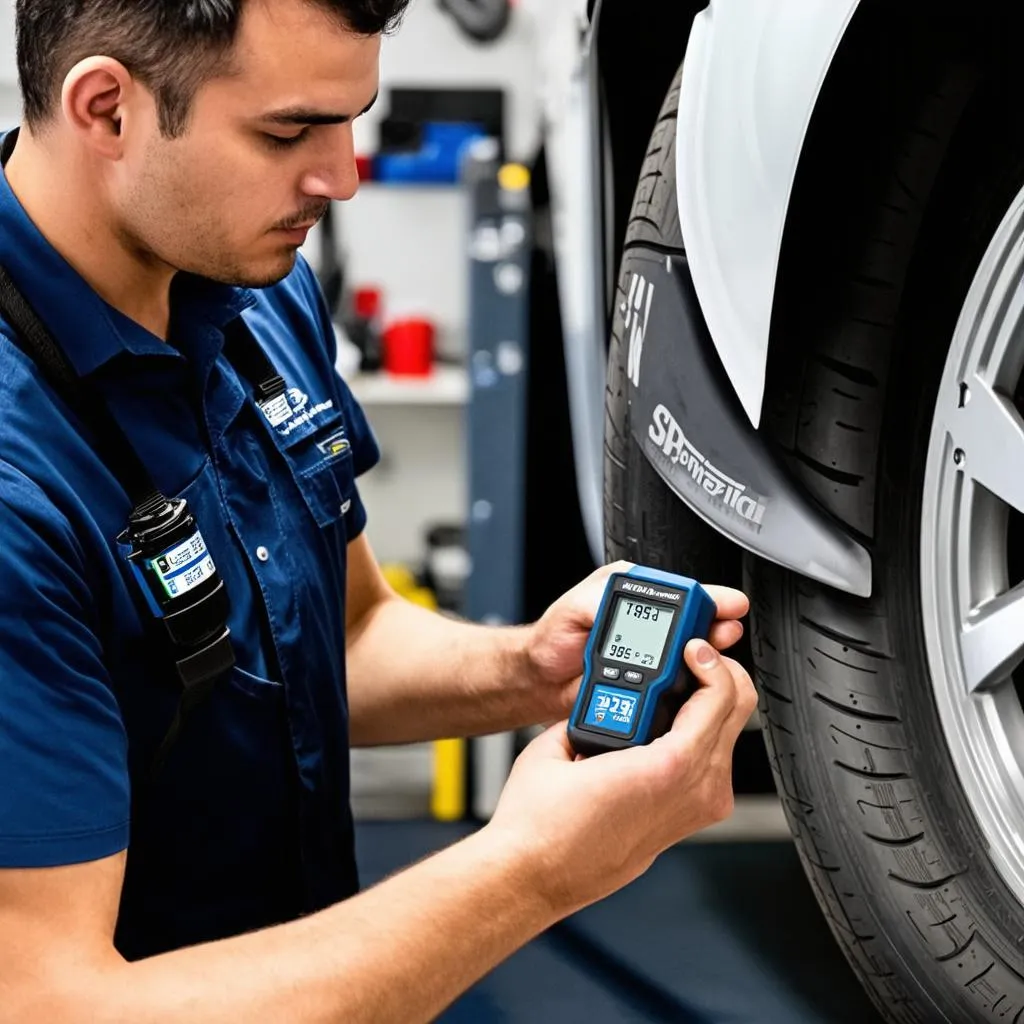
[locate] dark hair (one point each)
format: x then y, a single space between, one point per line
172 46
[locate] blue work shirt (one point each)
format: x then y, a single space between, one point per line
248 822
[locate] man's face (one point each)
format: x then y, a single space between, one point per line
232 198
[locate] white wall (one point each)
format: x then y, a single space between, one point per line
10 103
8 70
420 479
10 107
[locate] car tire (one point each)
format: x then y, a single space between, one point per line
887 836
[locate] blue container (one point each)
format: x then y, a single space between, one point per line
439 159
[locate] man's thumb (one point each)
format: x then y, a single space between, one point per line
550 745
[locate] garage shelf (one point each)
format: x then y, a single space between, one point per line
447 385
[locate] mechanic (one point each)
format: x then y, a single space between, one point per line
172 155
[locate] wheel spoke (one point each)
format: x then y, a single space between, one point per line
1003 314
992 641
1006 338
989 432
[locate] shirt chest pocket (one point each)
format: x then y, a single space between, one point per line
320 461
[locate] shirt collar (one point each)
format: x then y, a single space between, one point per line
91 331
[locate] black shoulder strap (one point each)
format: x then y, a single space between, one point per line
35 341
244 353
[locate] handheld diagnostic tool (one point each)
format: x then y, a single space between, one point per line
634 676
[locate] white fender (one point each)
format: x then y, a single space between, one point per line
751 78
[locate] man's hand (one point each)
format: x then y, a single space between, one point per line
589 826
449 678
555 644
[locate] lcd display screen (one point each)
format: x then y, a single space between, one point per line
638 632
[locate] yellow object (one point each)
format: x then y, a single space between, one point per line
448 796
448 799
403 583
399 576
514 178
423 597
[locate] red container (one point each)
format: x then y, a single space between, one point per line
368 302
409 348
364 168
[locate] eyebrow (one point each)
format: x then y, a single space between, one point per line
308 116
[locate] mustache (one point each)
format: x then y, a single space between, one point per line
311 213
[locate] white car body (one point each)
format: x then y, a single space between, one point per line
751 78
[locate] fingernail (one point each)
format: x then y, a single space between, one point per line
707 656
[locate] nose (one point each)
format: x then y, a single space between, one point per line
334 174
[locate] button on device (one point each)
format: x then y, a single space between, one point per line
610 672
632 676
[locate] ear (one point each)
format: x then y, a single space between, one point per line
95 100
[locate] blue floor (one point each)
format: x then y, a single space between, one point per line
713 933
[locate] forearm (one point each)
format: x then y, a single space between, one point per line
415 676
399 952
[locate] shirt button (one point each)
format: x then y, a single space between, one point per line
262 554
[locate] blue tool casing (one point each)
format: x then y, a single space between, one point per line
626 698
